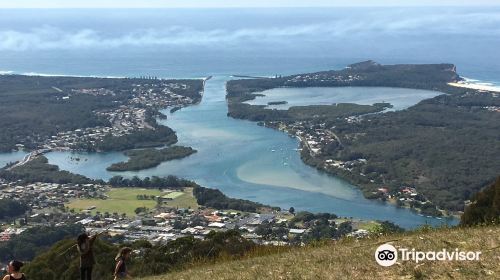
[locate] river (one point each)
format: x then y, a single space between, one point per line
237 157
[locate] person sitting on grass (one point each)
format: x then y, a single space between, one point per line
121 271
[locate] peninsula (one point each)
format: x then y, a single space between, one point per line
42 114
431 157
82 113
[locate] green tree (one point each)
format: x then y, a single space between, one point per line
484 207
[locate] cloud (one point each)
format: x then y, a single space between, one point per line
50 37
232 3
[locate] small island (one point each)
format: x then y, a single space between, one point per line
148 158
277 103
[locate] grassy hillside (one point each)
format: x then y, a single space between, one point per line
354 259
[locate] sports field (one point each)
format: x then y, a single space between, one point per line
182 199
121 200
124 200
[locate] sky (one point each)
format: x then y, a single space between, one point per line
233 3
31 30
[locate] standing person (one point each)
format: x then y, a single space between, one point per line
87 260
13 271
121 271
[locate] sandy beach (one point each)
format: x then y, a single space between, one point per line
476 86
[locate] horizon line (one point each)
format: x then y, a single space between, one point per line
251 7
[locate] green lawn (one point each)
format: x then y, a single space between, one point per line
124 200
360 224
183 200
173 195
121 200
369 225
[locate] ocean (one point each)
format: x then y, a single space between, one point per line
201 42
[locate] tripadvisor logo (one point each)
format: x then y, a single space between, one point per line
387 255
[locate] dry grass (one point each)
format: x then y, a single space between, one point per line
354 259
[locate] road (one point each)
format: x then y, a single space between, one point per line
334 135
27 158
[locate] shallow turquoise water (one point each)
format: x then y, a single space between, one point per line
400 98
10 157
236 157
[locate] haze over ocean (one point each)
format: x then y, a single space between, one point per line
200 42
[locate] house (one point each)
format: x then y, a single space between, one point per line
213 218
217 225
4 237
359 233
383 190
85 221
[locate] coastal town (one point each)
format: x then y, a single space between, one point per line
144 99
51 204
322 78
132 109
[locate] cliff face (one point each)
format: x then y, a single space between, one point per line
453 69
